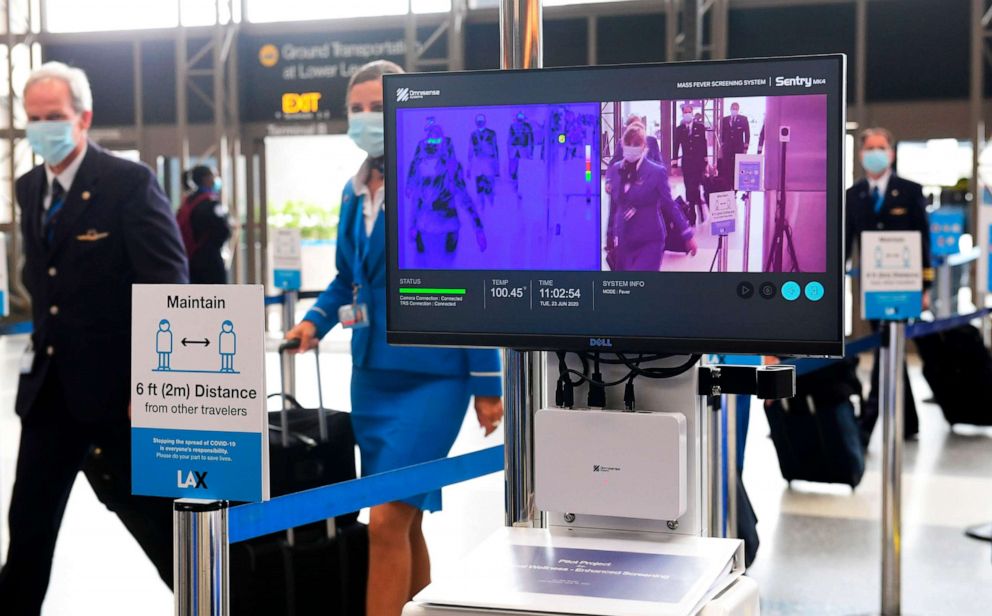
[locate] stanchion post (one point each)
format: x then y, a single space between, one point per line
892 357
200 558
945 284
520 47
289 301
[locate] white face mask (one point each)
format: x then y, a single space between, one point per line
633 153
733 113
687 118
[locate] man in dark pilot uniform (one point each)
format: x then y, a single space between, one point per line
883 201
93 224
735 138
690 146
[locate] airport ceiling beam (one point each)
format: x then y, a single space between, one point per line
696 29
452 26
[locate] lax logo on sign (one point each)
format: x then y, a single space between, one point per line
402 95
194 479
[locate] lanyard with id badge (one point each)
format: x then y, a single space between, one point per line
355 315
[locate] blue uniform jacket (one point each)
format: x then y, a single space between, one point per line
116 229
361 260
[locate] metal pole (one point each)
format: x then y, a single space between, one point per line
182 72
860 61
723 259
730 466
518 373
521 34
979 25
521 45
289 299
944 284
714 477
892 358
200 558
747 230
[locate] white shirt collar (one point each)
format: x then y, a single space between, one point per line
371 204
882 183
67 176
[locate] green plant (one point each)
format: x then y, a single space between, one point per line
315 222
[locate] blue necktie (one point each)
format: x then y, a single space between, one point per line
878 198
52 215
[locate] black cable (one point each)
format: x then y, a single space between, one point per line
660 372
620 362
597 394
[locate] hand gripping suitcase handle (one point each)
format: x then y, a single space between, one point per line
284 347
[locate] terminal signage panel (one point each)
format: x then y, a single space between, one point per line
946 229
303 77
517 220
287 258
198 422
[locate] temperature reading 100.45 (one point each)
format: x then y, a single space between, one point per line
505 292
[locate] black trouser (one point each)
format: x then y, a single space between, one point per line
693 177
869 412
53 448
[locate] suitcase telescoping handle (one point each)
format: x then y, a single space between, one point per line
284 347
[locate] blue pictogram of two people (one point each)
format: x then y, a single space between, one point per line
227 346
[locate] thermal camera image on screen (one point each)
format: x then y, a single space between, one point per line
707 185
499 188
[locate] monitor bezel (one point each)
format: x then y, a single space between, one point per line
592 341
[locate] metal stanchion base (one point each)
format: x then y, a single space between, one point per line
982 532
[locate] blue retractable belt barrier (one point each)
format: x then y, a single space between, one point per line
872 341
12 329
257 519
271 300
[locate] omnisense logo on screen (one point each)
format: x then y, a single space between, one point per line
406 94
792 82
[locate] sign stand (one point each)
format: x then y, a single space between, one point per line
892 357
892 287
200 552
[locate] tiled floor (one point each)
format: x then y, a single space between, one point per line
820 544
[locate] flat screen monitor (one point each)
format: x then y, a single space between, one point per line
689 207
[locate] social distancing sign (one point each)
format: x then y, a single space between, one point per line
891 275
198 423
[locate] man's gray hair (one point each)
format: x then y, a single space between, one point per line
75 78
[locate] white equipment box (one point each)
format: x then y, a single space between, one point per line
611 463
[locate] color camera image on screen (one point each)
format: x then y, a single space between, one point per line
726 184
499 188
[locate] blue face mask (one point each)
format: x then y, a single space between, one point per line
217 185
51 140
365 129
875 161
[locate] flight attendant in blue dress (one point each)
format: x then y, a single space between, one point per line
407 403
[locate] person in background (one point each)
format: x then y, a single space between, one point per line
690 146
407 403
735 138
204 225
883 201
93 224
640 204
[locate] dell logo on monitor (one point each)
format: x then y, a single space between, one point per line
601 342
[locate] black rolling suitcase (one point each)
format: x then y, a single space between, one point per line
318 568
674 242
816 433
958 368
